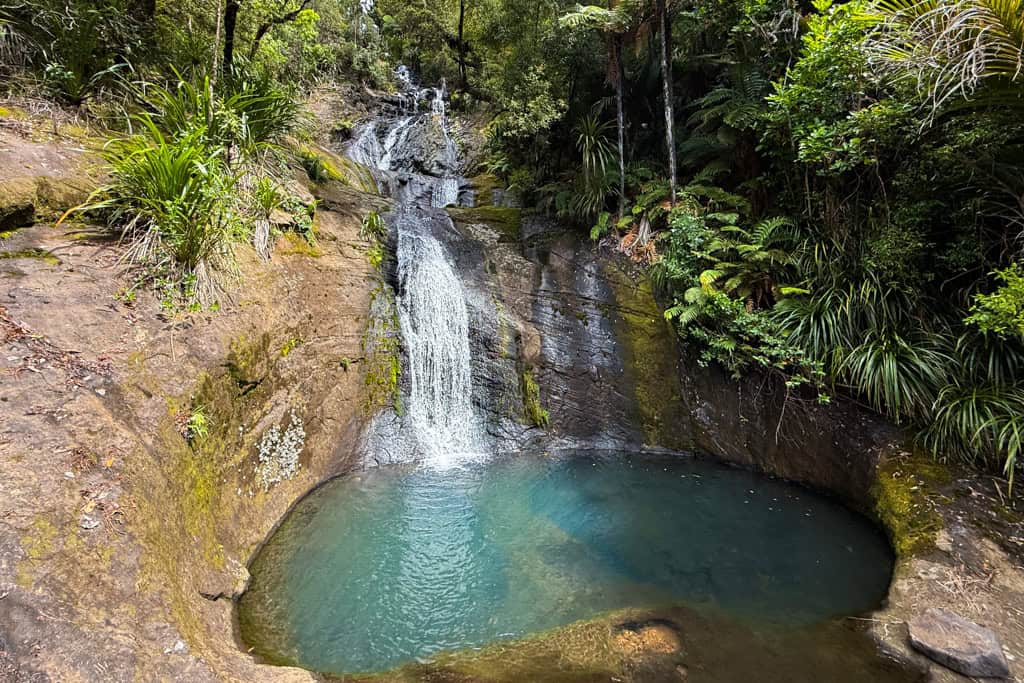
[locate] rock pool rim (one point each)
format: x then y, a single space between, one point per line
860 508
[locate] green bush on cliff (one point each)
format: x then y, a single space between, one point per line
173 199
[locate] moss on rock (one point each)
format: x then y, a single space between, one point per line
41 254
650 356
382 352
17 203
537 415
323 166
905 494
506 220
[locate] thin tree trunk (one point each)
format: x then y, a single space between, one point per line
462 44
230 22
666 80
621 118
216 42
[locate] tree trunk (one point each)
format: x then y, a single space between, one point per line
462 44
230 22
620 79
666 81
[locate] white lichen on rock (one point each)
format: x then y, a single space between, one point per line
278 453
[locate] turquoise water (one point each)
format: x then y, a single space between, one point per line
396 564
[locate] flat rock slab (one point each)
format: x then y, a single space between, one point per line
961 645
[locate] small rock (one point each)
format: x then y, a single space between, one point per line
961 645
943 541
88 523
178 648
280 218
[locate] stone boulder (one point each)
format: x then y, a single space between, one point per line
17 203
961 645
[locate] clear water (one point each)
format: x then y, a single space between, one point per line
399 563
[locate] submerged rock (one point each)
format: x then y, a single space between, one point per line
958 644
651 638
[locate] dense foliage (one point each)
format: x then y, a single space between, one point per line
830 193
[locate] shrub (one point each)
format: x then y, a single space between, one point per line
247 113
173 200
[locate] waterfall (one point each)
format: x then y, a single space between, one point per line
439 426
435 327
446 192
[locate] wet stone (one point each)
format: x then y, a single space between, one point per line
961 645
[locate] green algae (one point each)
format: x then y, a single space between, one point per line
381 346
504 219
905 494
650 356
190 489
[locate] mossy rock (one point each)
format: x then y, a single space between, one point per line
484 186
506 220
24 200
534 410
41 254
57 195
323 166
905 493
651 357
17 203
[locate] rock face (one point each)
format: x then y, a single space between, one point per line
609 369
959 644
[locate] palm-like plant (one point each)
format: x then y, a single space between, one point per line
613 24
952 48
593 144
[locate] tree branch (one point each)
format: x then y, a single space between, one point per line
271 23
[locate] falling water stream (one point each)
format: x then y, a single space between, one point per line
440 427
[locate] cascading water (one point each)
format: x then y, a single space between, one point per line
435 326
439 426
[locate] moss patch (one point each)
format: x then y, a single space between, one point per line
45 256
650 355
38 544
200 478
905 493
537 415
382 352
294 244
484 186
323 166
506 220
